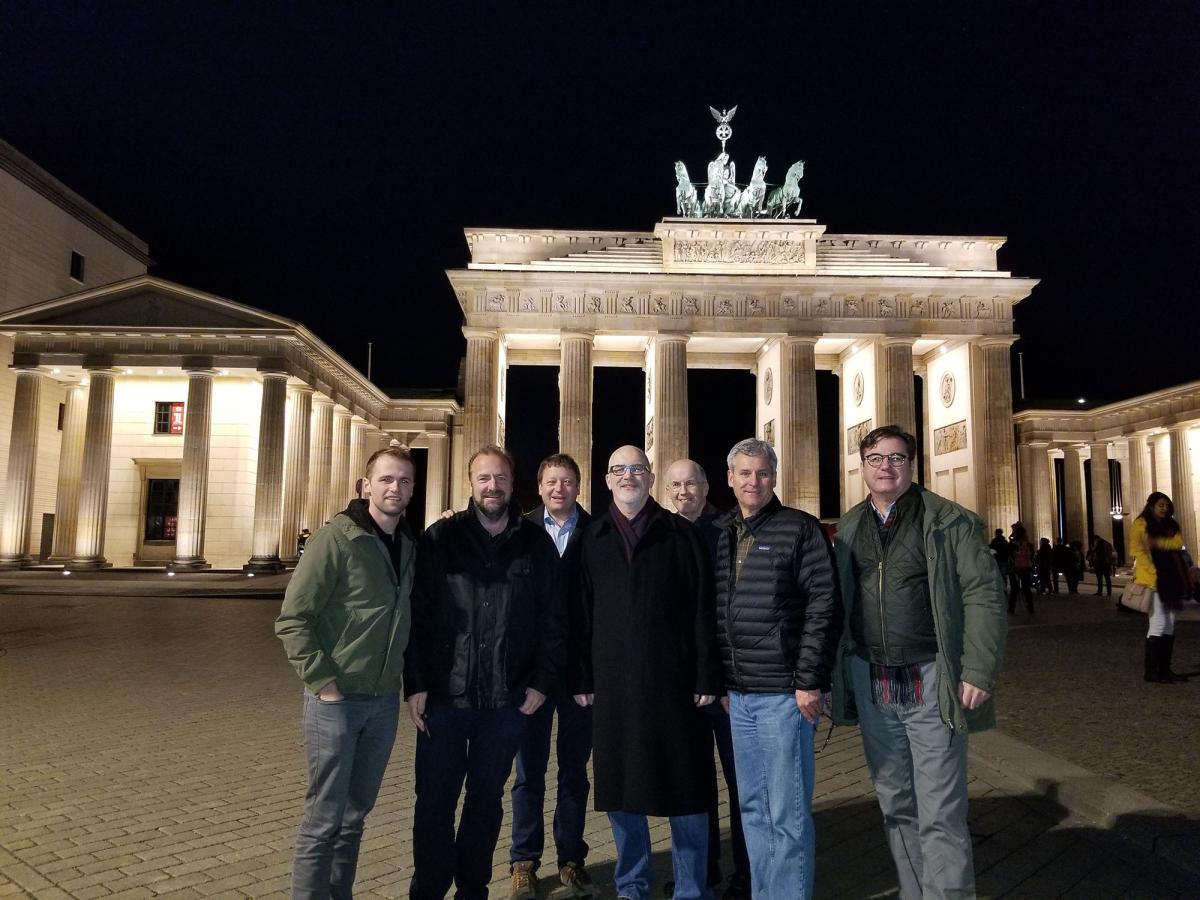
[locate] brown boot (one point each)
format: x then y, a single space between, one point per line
576 882
524 881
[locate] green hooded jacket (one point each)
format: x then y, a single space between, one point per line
346 615
967 595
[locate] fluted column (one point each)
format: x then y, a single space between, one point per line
894 401
339 465
481 403
670 406
798 452
575 406
1182 494
999 453
193 483
360 449
295 468
320 463
1076 515
1139 475
70 464
268 488
93 479
22 471
1101 493
437 468
1037 491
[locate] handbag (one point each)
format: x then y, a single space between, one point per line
1137 597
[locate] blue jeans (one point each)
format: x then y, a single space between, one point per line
773 749
689 855
347 744
573 748
478 746
919 770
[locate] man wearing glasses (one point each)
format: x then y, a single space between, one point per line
918 661
687 486
645 658
779 616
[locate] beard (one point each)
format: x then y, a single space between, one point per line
493 513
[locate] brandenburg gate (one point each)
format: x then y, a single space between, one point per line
780 297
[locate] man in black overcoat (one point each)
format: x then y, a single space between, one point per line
644 655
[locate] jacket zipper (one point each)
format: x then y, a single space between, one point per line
883 615
391 632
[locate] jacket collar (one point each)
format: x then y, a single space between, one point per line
358 512
734 516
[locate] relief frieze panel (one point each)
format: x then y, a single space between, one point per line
950 437
740 251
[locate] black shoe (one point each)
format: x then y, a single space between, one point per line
1166 646
738 887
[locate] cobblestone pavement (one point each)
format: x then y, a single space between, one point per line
1072 686
151 747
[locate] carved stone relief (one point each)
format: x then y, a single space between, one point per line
734 251
691 305
854 436
887 307
650 435
950 437
858 387
755 306
495 302
768 385
769 432
946 389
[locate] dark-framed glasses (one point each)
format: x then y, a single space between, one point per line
631 468
875 460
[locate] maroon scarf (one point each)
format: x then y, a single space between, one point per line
633 530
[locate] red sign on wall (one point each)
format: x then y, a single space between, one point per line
176 418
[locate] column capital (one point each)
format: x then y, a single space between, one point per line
472 331
340 411
1036 445
321 400
276 365
670 337
995 340
566 334
791 338
299 389
98 362
1180 428
25 362
896 340
272 373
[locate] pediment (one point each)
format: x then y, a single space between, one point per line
146 303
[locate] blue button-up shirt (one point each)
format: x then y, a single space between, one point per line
560 533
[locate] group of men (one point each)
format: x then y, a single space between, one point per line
651 635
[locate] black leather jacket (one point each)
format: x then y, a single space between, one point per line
780 623
489 614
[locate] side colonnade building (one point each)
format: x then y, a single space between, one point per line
1088 471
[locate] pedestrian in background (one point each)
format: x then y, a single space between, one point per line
1156 545
1021 558
1102 557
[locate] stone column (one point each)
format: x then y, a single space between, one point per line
320 463
360 449
670 406
1076 523
437 467
999 454
1037 491
1182 494
481 405
193 485
70 464
1101 493
339 466
268 488
894 402
93 479
22 471
295 468
575 406
798 419
1139 475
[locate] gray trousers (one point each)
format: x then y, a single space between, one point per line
920 777
347 744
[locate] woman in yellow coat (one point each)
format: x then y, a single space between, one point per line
1156 545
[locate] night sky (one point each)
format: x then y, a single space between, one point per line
321 160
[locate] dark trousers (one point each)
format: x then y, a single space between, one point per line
723 736
573 748
1103 577
477 746
1072 577
1020 581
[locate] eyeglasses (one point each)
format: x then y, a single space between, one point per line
631 468
680 485
875 460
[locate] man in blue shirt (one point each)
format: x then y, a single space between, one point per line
564 520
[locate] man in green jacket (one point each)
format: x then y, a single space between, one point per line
918 661
344 624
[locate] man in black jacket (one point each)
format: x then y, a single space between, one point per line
488 646
564 520
779 619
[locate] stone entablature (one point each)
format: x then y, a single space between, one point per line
938 255
1155 411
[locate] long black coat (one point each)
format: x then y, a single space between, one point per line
644 644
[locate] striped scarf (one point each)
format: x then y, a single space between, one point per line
897 687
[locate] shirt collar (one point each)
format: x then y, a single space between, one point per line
572 519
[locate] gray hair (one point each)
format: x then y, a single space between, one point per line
753 447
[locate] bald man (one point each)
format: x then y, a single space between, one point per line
687 489
644 644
